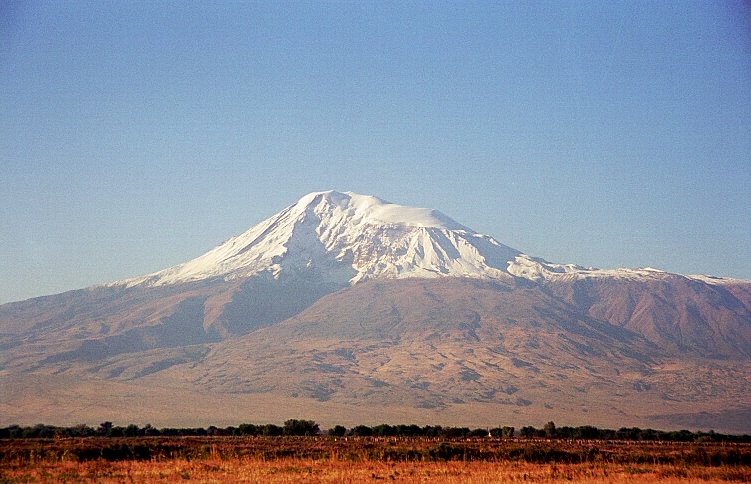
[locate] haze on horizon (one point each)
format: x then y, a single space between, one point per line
138 135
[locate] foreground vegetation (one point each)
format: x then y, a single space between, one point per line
289 470
298 451
300 427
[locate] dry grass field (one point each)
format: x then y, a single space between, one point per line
291 469
320 459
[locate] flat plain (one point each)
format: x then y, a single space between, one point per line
363 459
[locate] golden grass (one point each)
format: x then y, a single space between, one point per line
301 459
288 470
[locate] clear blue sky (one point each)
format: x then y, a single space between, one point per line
138 135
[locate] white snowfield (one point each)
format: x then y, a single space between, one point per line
346 238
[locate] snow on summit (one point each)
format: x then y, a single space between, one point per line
345 238
372 210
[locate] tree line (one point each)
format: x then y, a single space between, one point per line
301 427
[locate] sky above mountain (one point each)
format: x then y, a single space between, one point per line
138 135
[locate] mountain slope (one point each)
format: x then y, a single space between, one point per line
440 343
344 303
676 313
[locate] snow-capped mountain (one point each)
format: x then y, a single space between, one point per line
347 303
346 238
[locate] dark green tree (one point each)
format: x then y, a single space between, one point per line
150 431
300 427
337 431
248 429
432 430
478 432
384 430
105 428
549 429
361 431
271 430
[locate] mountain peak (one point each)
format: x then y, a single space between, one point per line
375 211
344 238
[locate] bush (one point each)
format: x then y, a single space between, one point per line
361 431
300 427
271 430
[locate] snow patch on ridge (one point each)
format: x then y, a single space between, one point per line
536 269
540 270
716 280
